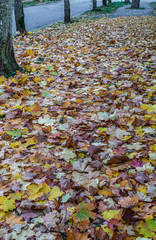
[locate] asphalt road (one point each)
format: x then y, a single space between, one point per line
43 15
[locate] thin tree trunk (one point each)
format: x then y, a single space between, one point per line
66 11
104 2
110 1
19 16
135 4
94 4
8 63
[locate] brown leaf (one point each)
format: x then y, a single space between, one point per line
100 233
116 159
76 235
129 201
93 149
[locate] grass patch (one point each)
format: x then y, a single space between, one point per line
30 3
136 8
153 4
104 10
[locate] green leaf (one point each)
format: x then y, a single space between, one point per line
84 212
15 133
54 73
2 115
147 228
45 94
50 67
101 129
74 160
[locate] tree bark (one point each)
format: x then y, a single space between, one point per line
8 63
135 4
94 4
19 16
104 2
66 11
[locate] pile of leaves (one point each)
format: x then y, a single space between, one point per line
77 133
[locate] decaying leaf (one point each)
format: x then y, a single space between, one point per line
77 132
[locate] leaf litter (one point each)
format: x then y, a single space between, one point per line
77 133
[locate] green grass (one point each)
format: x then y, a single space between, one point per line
136 8
153 4
29 3
104 10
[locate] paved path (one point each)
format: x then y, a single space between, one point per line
46 14
124 11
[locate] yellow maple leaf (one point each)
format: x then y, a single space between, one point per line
55 193
2 79
30 142
2 215
150 116
33 69
23 79
30 53
108 230
15 144
126 138
153 147
142 189
37 79
110 214
15 196
6 204
36 191
149 107
79 100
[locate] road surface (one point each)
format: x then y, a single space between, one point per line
46 14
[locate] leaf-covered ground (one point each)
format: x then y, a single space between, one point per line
77 134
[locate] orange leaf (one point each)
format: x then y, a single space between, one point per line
66 104
11 220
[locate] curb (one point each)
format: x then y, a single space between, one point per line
40 4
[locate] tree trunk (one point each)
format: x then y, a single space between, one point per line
110 1
8 63
104 2
94 4
66 11
135 4
19 16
